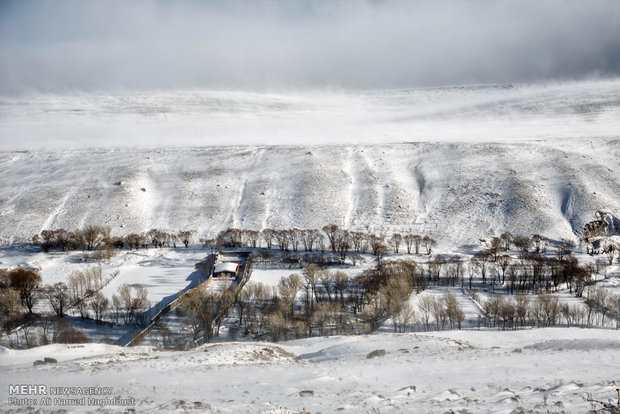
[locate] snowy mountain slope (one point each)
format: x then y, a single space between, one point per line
470 162
479 371
456 192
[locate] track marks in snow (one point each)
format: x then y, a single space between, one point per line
456 193
249 205
365 197
52 220
353 201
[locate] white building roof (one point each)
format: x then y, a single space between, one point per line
226 267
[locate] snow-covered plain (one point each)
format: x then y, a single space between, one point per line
198 118
544 370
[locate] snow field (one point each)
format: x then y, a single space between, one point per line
478 371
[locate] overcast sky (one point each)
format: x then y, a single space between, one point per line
93 46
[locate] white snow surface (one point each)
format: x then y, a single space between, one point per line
456 193
458 163
198 118
543 370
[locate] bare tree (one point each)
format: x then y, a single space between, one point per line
375 310
404 316
282 238
117 307
481 260
506 238
429 244
610 251
295 236
9 307
99 304
341 283
425 304
268 235
377 245
140 304
185 237
133 240
495 247
343 243
288 287
92 236
504 261
58 296
417 241
26 282
44 240
408 239
252 237
564 250
331 231
523 244
453 310
311 238
359 241
395 241
310 279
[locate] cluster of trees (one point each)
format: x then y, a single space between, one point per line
21 289
533 269
508 313
602 305
200 310
156 238
47 329
445 311
330 237
331 303
100 239
83 292
90 238
129 304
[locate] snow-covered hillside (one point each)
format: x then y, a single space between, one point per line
544 370
457 163
455 192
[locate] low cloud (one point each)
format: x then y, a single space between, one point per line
278 44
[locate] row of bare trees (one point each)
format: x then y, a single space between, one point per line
330 237
99 238
90 238
545 310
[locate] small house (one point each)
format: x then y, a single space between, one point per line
226 269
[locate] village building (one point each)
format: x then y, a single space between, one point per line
226 269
